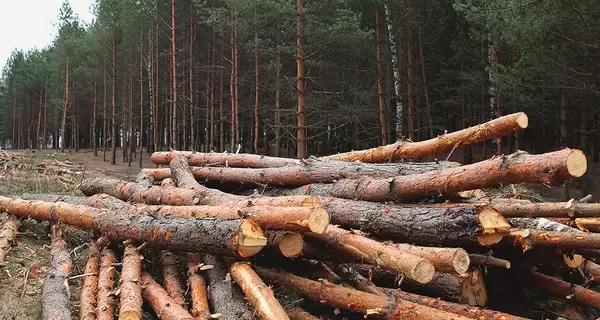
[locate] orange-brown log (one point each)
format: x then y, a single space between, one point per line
234 237
129 191
130 289
531 238
412 150
55 292
591 270
588 224
354 300
290 244
171 281
162 304
299 314
238 160
260 295
106 285
374 252
315 219
455 260
311 171
89 288
8 237
570 209
489 261
564 289
548 169
168 182
197 288
226 299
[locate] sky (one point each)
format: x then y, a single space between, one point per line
26 24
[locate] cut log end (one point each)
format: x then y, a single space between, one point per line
522 120
573 261
250 239
423 271
318 220
494 225
291 245
474 290
576 163
311 201
130 315
461 261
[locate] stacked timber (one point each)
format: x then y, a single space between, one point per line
365 232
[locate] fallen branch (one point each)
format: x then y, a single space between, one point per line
171 281
197 288
487 260
55 292
89 288
130 289
162 304
106 285
564 289
8 235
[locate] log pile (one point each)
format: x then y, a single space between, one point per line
365 233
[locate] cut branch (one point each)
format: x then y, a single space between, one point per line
171 280
55 292
197 287
530 238
130 289
486 260
454 260
162 304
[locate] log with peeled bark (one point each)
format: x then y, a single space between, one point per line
55 292
487 260
234 237
411 150
570 209
197 287
171 281
129 191
563 289
130 295
225 298
260 295
290 244
106 285
162 304
89 288
299 314
8 235
312 171
374 252
237 160
354 300
454 260
520 167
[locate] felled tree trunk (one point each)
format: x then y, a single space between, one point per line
570 209
411 150
171 281
161 302
89 288
354 300
312 171
374 252
290 244
454 260
130 290
55 292
520 167
236 160
234 237
261 296
197 288
225 298
8 235
106 285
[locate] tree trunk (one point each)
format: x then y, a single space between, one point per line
191 79
141 139
498 94
130 295
225 298
382 117
39 119
55 293
278 91
488 261
425 87
406 150
256 88
197 287
174 131
104 114
44 127
396 71
157 83
171 280
232 87
63 125
409 70
564 107
95 107
236 82
113 125
467 289
452 260
89 288
299 314
161 302
302 152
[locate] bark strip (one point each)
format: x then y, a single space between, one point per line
299 314
131 290
55 292
163 305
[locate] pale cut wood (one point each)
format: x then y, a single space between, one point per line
454 260
290 244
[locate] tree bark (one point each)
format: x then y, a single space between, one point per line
301 84
174 131
8 237
452 260
354 300
225 298
197 287
113 124
278 91
396 71
290 244
529 239
141 97
299 314
104 114
467 289
240 160
488 261
425 87
570 209
411 150
548 169
564 289
63 125
348 274
94 111
256 87
106 285
89 288
261 296
130 295
171 281
55 292
382 116
233 237
409 71
161 302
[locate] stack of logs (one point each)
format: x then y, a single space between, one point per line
365 232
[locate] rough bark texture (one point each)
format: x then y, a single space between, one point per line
236 160
299 314
312 171
373 252
467 289
180 172
454 260
234 237
131 291
354 300
89 288
564 289
55 292
260 295
520 167
411 150
162 304
168 182
144 179
197 288
8 237
171 280
106 286
225 298
570 209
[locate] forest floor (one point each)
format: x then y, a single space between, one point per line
49 171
